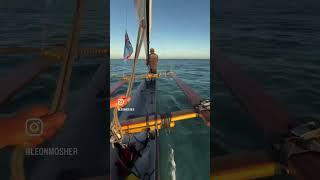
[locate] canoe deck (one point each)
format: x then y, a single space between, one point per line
143 102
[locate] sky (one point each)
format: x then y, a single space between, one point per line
180 28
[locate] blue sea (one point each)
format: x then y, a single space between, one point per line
185 149
277 43
45 24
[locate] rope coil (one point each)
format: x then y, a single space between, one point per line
165 120
116 132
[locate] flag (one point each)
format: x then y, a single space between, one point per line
127 48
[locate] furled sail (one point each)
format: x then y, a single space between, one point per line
140 6
141 10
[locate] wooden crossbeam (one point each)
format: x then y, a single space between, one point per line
57 52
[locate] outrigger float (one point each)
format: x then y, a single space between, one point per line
137 132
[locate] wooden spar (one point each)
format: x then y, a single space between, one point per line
143 129
20 77
124 79
58 51
163 74
140 122
271 117
257 164
116 86
20 50
94 52
260 164
193 98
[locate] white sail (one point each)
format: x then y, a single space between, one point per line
140 6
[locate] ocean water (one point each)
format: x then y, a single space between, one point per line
277 43
45 24
185 149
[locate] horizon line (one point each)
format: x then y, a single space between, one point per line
168 59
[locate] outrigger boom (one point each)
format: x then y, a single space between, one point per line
144 101
140 124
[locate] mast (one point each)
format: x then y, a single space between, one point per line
148 24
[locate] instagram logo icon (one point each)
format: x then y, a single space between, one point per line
34 127
120 102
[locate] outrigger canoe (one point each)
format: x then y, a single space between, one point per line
144 103
134 149
141 127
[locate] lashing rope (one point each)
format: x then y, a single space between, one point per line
116 132
147 121
165 120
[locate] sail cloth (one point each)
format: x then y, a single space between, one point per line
128 50
140 6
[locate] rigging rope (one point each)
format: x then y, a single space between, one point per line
17 168
138 47
126 14
116 132
71 53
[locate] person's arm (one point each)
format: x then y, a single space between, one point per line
14 130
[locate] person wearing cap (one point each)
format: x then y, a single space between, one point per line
152 62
